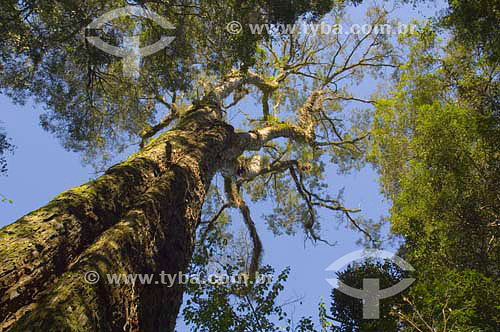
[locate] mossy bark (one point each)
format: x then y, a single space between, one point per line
138 218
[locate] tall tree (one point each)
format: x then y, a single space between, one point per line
143 214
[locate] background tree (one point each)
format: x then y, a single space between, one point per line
346 312
436 142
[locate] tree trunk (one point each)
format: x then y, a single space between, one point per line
138 218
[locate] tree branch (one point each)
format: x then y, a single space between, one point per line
235 199
151 131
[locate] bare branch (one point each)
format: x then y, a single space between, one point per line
235 199
254 140
308 225
151 131
275 167
211 223
343 142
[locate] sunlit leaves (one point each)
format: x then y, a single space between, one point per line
436 146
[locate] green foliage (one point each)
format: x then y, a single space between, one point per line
288 11
436 144
225 308
449 299
475 24
241 303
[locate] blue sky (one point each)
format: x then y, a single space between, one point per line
40 169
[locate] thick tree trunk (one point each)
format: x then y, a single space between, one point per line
138 218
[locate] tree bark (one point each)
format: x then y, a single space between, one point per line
138 218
